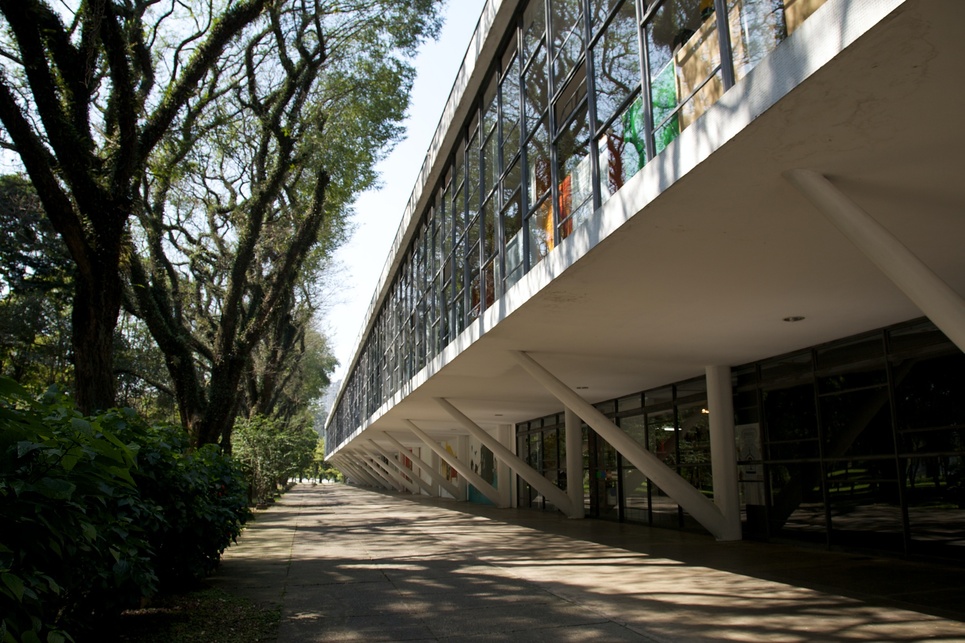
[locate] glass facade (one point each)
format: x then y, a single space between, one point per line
860 442
582 94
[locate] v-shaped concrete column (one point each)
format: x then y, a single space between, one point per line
940 303
549 490
436 477
405 484
686 495
356 471
369 462
406 473
461 468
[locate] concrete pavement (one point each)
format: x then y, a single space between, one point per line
350 564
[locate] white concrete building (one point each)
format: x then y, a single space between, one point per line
690 263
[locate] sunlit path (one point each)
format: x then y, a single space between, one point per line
350 564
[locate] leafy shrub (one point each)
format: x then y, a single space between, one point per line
100 512
74 547
203 498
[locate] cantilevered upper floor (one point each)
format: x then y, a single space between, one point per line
608 191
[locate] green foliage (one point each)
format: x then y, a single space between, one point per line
105 510
323 469
35 290
272 452
79 550
202 497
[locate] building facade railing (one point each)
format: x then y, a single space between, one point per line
581 95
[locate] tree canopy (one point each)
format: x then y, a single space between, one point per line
198 159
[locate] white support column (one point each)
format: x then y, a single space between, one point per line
723 449
433 473
370 463
695 503
403 471
462 453
359 473
403 482
574 461
940 303
365 468
504 475
464 471
549 490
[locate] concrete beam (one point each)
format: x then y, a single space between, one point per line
940 303
436 477
549 490
670 482
404 472
404 482
461 468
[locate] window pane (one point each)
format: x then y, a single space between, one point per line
489 283
600 9
756 28
490 163
685 63
567 37
616 64
538 164
488 224
534 26
489 107
535 84
512 227
540 228
622 150
575 172
510 111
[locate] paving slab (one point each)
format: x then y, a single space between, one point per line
352 564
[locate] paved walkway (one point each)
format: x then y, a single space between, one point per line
348 564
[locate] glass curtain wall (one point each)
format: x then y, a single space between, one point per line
855 443
862 443
582 94
671 422
541 444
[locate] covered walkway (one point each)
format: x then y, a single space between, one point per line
351 564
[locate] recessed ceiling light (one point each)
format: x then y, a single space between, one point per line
582 388
794 318
499 415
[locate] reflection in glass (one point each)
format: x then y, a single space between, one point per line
616 64
600 9
535 86
575 201
865 504
622 150
756 28
797 500
635 485
540 221
534 25
512 226
509 105
567 18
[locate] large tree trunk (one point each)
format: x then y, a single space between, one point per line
222 409
97 304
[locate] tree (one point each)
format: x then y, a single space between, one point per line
35 283
248 195
88 92
273 452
